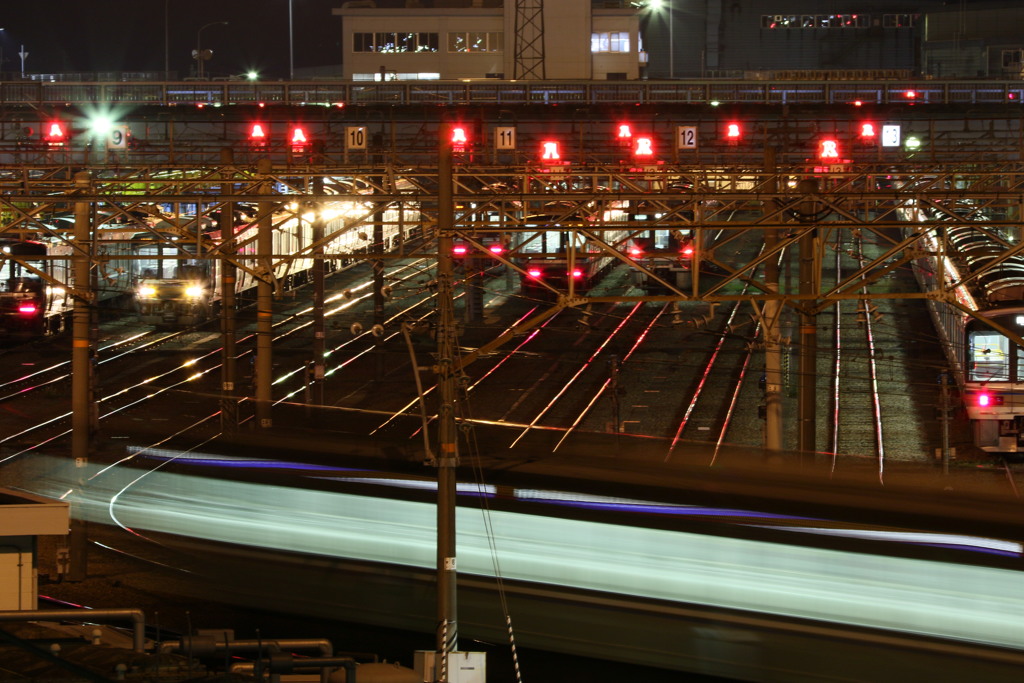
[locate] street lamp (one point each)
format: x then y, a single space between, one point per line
667 6
200 57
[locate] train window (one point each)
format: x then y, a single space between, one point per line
988 356
546 242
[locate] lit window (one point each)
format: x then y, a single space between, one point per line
475 41
613 41
988 357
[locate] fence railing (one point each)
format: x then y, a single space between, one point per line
510 93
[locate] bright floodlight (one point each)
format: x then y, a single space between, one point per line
252 75
101 125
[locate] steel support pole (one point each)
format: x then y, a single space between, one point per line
448 457
264 303
319 275
228 279
770 317
83 424
377 246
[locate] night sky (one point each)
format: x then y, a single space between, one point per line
122 35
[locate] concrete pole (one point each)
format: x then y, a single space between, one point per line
228 280
83 424
773 346
448 457
264 304
807 401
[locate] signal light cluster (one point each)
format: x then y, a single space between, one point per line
259 136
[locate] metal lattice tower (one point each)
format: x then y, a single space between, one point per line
529 40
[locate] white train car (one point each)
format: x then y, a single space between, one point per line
179 279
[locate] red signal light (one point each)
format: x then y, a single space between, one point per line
625 131
55 133
828 149
733 133
549 151
258 134
298 137
984 400
868 131
910 94
644 148
459 138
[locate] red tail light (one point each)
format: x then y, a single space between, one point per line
635 252
459 250
496 249
534 273
687 252
28 308
987 400
577 274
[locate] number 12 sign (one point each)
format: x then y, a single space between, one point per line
686 137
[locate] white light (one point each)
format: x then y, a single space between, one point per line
194 292
101 125
147 292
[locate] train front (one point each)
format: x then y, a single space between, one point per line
23 290
174 287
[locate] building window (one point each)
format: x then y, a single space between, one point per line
614 41
394 42
1012 59
475 41
898 20
778 21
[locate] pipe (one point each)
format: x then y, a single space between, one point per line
210 645
136 616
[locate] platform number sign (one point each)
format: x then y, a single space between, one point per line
505 137
355 137
686 137
890 135
118 137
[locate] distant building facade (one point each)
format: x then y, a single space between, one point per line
570 39
622 39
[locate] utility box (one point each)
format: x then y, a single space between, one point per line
463 667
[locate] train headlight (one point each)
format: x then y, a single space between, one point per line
147 292
194 291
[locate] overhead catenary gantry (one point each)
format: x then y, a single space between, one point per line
724 205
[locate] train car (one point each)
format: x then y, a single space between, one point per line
179 280
34 283
26 297
550 250
985 363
